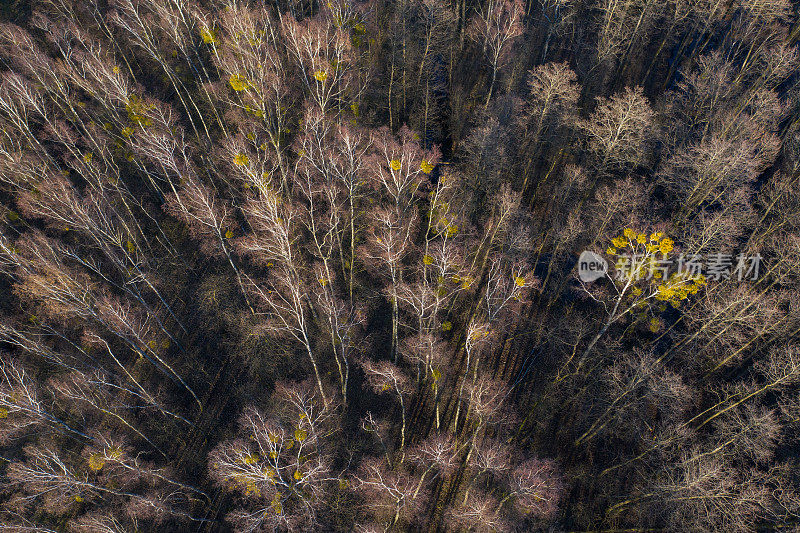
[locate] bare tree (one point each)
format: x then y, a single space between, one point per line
386 377
495 27
324 57
281 463
392 497
620 128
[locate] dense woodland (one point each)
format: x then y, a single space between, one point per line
311 266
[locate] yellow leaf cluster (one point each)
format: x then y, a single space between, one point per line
238 82
241 160
320 75
251 459
114 453
656 242
96 462
137 111
394 164
276 504
426 167
250 488
208 36
478 335
678 288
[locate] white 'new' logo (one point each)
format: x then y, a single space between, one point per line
591 266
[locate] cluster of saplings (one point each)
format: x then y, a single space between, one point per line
310 266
